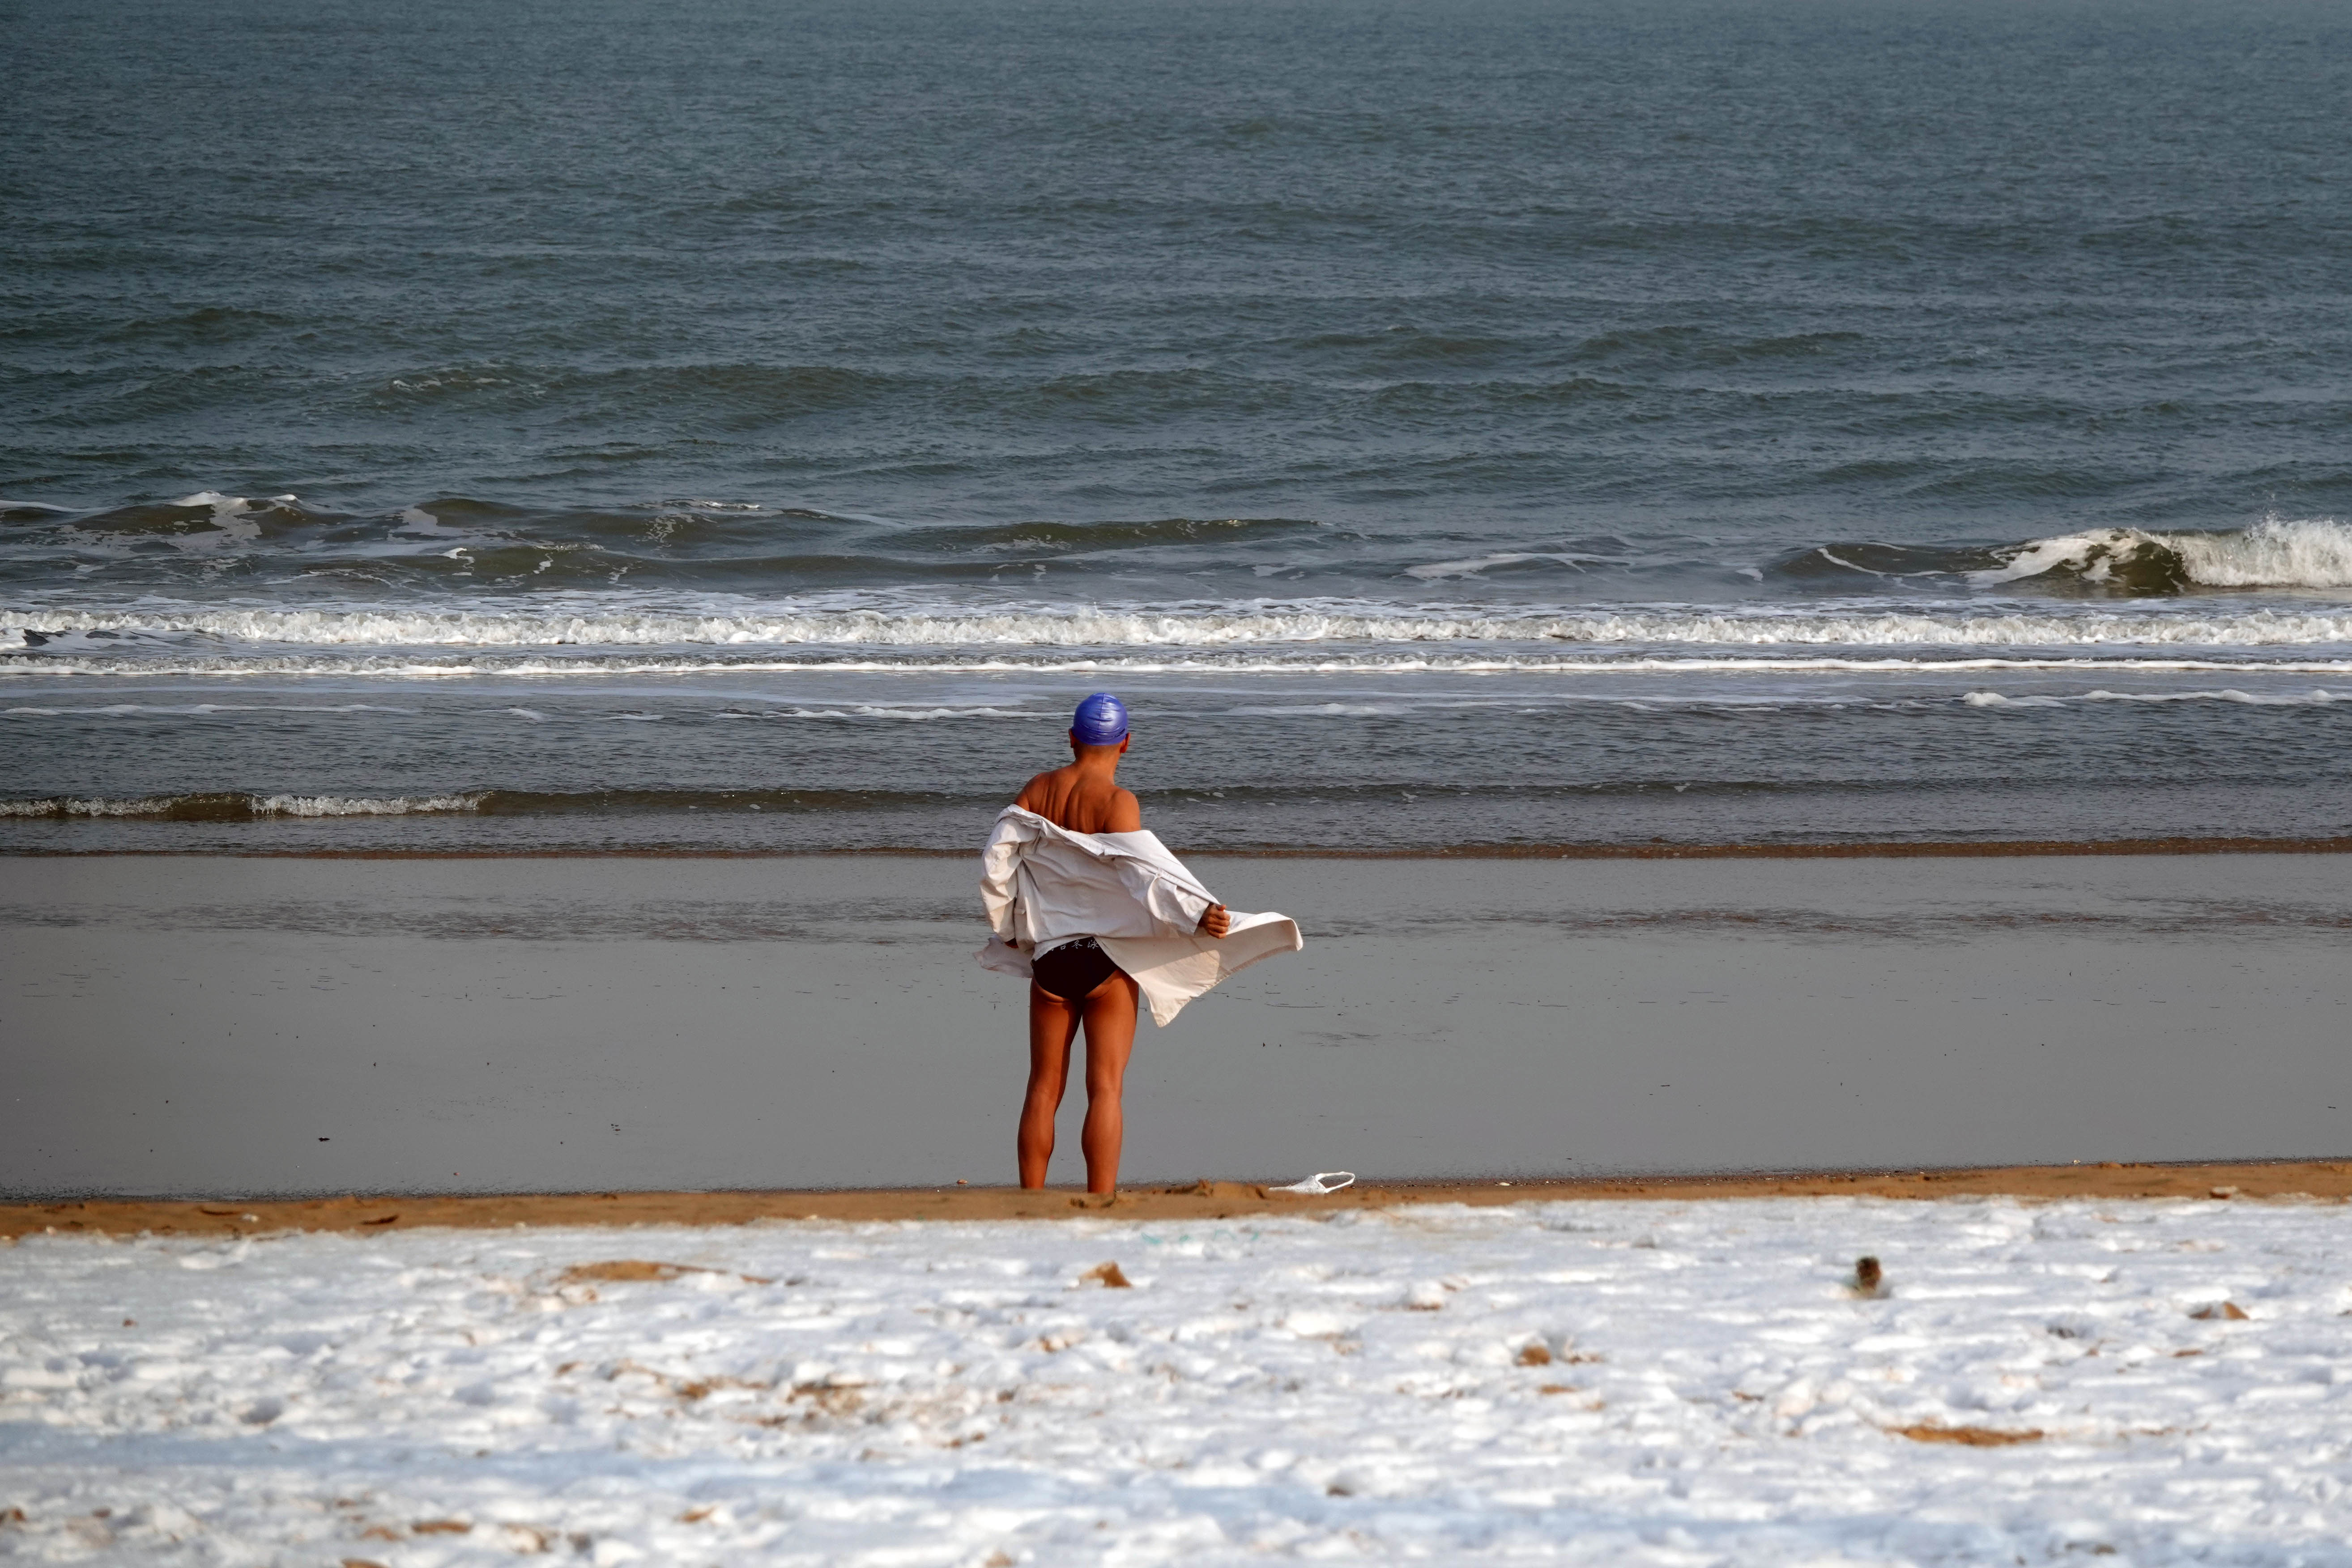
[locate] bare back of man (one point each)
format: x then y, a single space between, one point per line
1085 797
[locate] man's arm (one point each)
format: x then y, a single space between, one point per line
1127 816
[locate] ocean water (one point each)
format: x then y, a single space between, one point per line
1503 424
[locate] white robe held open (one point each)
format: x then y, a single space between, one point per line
1041 883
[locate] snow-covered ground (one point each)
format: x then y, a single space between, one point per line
1594 1382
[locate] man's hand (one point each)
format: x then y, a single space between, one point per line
1214 921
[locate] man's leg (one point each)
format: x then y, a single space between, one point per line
1110 1011
1052 1025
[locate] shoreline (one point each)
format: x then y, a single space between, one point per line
2308 1180
1878 850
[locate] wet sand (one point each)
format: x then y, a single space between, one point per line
2322 1180
275 1028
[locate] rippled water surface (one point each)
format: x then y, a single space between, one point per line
1497 423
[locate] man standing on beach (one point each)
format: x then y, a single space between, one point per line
1097 912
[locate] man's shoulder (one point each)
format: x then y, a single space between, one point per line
1038 785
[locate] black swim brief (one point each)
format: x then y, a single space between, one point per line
1073 970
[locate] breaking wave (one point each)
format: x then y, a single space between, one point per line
45 635
220 808
2276 553
237 806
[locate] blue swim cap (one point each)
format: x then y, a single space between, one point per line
1100 720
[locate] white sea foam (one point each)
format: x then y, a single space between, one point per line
611 624
455 378
259 804
342 805
1438 570
200 709
2312 552
463 667
1632 1384
1360 710
229 504
2277 552
63 807
890 710
233 520
2316 697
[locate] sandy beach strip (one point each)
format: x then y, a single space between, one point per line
2307 1180
284 1028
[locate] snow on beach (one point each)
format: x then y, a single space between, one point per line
1597 1383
